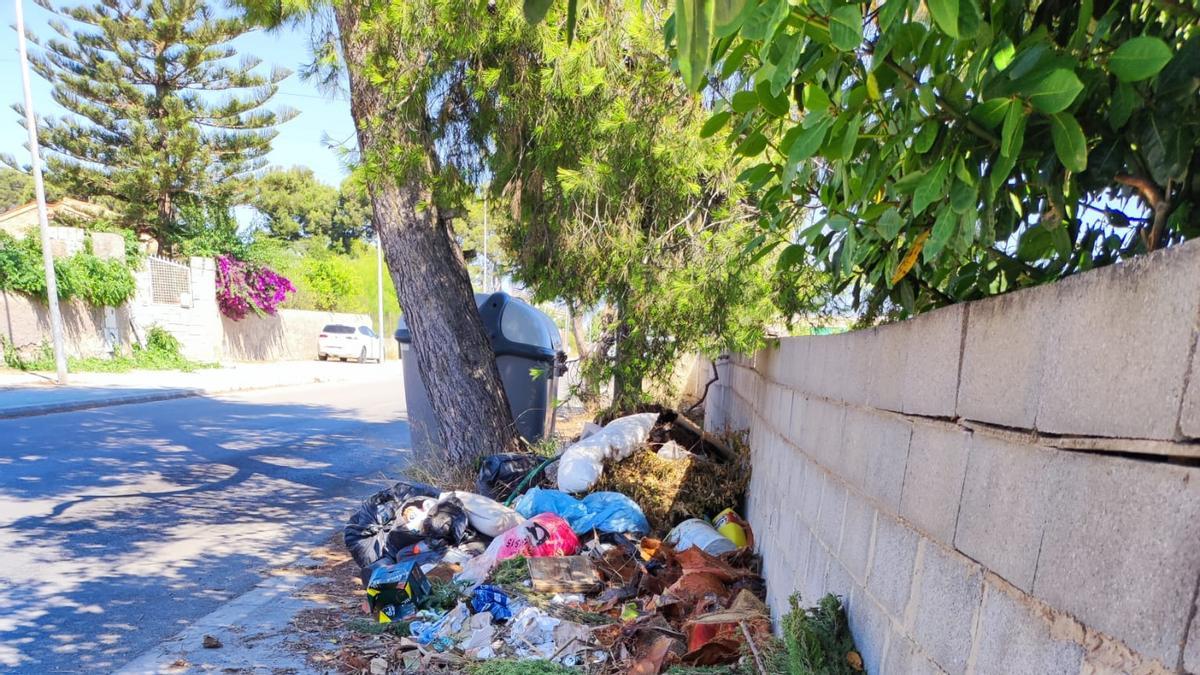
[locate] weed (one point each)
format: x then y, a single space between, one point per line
512 667
818 640
369 627
511 572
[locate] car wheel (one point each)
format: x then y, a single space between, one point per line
323 357
362 356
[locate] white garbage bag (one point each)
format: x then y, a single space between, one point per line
488 516
582 463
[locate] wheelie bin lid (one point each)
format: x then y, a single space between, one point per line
515 327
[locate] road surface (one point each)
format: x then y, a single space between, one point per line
120 525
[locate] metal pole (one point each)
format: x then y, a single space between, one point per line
379 280
486 260
56 328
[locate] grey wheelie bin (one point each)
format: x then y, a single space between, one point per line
527 346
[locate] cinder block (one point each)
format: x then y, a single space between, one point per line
814 484
857 529
857 441
1189 418
1002 358
1151 301
833 507
792 362
892 564
948 595
889 354
933 478
1014 638
1003 507
838 581
886 441
903 657
821 437
798 420
1121 552
1191 650
870 626
813 588
934 349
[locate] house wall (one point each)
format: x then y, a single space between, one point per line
1005 486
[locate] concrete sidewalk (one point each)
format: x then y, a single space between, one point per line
25 394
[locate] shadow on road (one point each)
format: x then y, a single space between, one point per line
119 525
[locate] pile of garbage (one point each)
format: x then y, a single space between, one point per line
537 563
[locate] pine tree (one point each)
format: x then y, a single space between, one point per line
161 114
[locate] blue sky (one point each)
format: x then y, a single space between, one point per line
301 141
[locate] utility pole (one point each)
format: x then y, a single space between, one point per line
486 261
39 188
379 282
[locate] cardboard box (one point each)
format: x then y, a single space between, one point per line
395 591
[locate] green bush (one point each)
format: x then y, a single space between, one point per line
103 283
161 352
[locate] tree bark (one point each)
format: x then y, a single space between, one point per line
454 354
627 378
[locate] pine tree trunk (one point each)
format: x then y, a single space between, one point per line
627 378
453 351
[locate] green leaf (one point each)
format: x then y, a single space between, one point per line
1013 135
1004 54
776 105
761 23
535 10
845 28
816 103
945 15
790 257
1069 141
805 146
926 137
851 138
1054 91
963 197
889 224
991 112
943 229
714 124
1139 58
1121 106
693 37
729 15
931 188
998 174
753 145
735 58
782 76
744 101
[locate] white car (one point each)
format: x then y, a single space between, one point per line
347 342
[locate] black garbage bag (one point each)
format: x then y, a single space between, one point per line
499 475
376 530
447 521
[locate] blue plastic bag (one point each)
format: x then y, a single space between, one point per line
489 598
603 511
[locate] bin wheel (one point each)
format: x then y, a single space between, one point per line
323 357
362 356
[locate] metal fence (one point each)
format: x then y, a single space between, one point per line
170 282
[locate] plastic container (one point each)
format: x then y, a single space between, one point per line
526 341
729 523
702 535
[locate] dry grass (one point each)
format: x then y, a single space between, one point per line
670 491
437 469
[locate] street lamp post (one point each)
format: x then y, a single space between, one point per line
39 187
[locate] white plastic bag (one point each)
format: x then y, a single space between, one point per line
488 516
582 463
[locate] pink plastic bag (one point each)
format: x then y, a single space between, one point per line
542 536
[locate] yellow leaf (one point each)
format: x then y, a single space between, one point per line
911 258
873 87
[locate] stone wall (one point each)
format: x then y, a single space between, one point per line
1005 486
289 335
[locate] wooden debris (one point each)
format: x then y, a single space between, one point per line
570 574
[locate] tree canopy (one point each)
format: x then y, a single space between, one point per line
159 115
935 152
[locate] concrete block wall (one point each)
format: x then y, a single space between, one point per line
1005 486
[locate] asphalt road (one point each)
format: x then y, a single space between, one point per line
120 525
